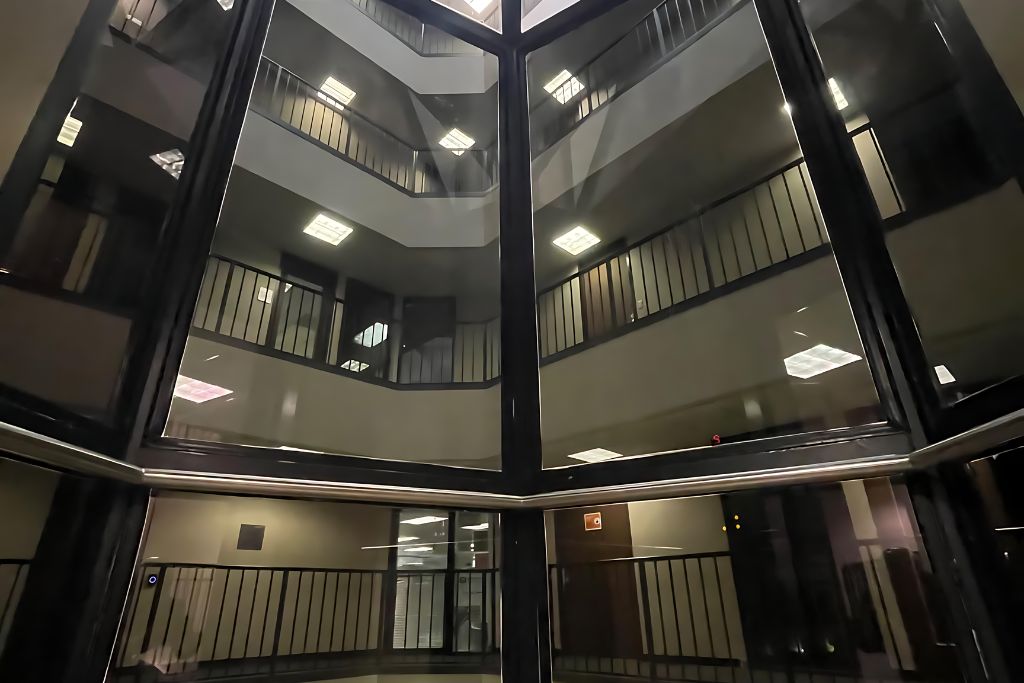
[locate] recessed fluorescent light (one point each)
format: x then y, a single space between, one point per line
216 355
477 527
406 563
372 335
479 5
265 294
226 4
325 228
577 240
403 539
336 92
596 455
134 20
944 375
799 332
837 94
417 549
197 391
426 519
457 141
564 86
171 161
801 310
816 360
70 130
354 365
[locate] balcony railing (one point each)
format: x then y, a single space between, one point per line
748 234
423 38
669 29
284 98
264 312
244 619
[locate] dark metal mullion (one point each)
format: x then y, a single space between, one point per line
903 377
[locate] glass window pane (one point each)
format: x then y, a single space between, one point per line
824 583
688 295
933 104
322 590
350 303
86 192
26 494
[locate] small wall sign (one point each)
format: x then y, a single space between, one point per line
592 521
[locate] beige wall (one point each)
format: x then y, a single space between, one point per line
61 352
197 528
25 495
33 37
680 526
280 402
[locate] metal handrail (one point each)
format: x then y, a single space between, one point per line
420 46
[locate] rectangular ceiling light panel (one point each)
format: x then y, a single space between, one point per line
354 365
564 86
457 141
426 519
837 94
335 92
325 228
372 335
482 526
172 161
197 391
816 360
596 455
69 131
577 240
226 4
944 375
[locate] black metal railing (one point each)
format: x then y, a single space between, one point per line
765 224
297 322
425 39
186 616
688 623
667 30
13 574
283 97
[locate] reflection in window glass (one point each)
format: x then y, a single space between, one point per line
938 98
681 257
287 588
350 303
26 494
82 217
487 12
828 583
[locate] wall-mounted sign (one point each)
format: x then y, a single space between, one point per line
592 521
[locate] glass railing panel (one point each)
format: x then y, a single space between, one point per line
827 583
84 206
943 93
297 588
682 259
355 258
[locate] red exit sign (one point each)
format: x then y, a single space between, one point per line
592 521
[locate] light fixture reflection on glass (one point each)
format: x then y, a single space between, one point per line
816 360
172 161
135 20
325 228
71 127
595 455
335 92
226 4
788 108
265 294
944 375
456 141
577 240
197 391
354 365
564 86
417 549
482 526
372 335
426 519
837 94
404 539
